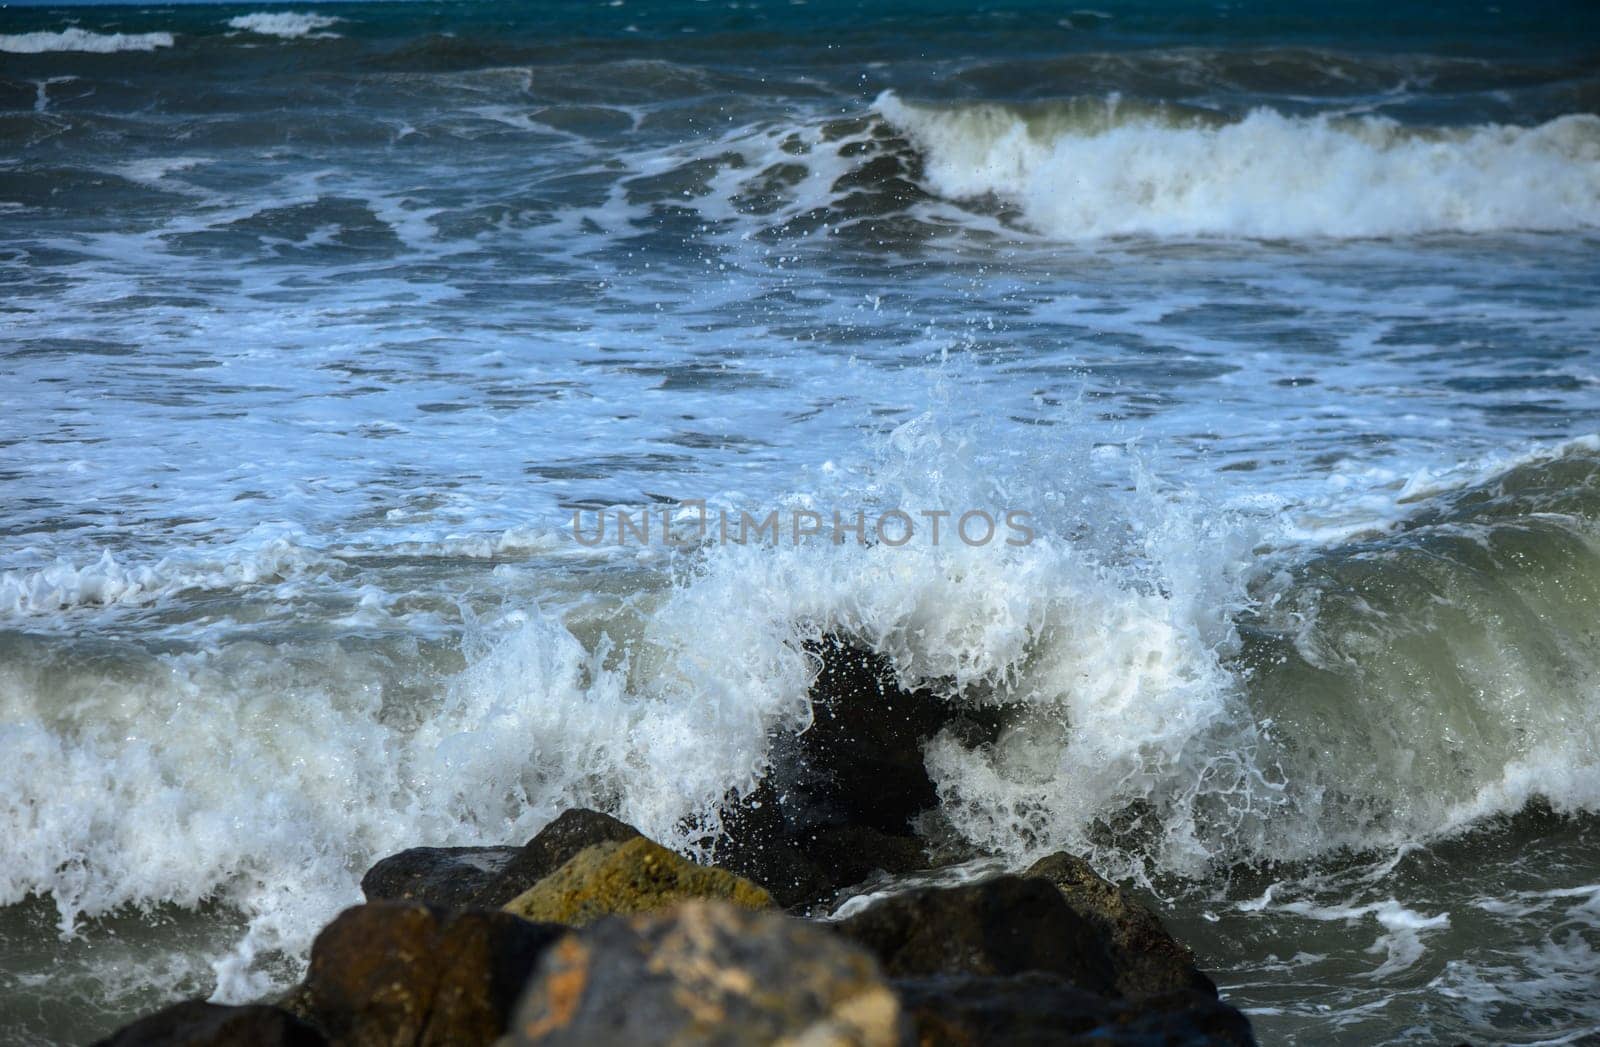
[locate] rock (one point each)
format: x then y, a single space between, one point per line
555 845
450 876
1146 958
632 876
1002 926
800 864
842 797
488 877
1032 1010
860 762
758 843
707 973
199 1024
403 972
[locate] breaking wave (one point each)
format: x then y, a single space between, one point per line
82 40
1087 170
288 24
1170 699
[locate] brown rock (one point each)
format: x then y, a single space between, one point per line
707 973
195 1023
401 972
633 876
1146 958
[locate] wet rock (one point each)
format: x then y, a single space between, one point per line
842 798
707 973
632 876
799 862
1146 958
860 763
403 972
489 877
1035 1009
195 1023
1002 926
448 876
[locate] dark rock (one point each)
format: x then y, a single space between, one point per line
448 876
1146 958
707 973
489 877
841 799
1002 926
799 862
199 1024
403 972
1036 1010
860 763
758 843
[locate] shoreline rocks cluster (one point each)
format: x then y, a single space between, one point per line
591 933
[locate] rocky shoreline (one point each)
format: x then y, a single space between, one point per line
590 933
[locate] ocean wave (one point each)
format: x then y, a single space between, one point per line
1149 670
1084 171
1292 73
82 40
287 24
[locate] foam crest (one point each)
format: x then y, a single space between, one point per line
108 582
1083 174
1105 648
267 777
82 40
287 24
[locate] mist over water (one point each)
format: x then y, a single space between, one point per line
320 324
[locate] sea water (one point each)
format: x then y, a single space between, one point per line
321 326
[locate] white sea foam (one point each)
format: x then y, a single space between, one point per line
107 582
287 24
75 39
268 776
1265 176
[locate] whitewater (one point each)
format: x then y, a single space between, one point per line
321 327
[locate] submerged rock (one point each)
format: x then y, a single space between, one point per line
1002 926
488 877
196 1023
1146 958
632 876
707 972
403 972
1036 1009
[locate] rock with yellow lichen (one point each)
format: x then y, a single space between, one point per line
707 972
626 877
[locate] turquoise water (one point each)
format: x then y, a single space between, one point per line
318 323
